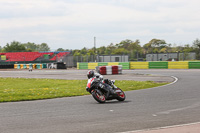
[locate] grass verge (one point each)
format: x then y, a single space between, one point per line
23 89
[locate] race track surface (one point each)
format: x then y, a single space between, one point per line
174 104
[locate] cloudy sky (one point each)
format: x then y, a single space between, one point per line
73 24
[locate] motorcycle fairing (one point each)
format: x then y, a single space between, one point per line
90 82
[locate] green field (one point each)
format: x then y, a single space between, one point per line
24 89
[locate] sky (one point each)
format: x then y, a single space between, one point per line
73 24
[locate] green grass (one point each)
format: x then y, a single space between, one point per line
22 89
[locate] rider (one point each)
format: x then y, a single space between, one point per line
91 74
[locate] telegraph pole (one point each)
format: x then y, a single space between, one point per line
94 45
95 48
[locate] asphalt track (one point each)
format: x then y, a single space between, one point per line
174 104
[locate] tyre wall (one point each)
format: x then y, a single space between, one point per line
9 66
27 66
105 70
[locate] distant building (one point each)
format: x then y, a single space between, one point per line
113 58
171 56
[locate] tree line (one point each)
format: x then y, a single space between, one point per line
16 46
135 50
125 47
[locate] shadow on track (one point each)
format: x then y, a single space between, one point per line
112 102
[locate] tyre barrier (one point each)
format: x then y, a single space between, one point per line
61 65
6 66
27 66
106 70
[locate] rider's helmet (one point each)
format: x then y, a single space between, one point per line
90 74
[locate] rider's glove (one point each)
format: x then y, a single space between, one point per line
87 89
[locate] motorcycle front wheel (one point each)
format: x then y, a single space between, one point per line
120 95
99 96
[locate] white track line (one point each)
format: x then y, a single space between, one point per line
175 80
158 128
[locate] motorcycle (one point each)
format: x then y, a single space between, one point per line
104 90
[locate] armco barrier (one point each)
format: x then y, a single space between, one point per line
113 63
178 65
158 65
139 65
102 64
92 65
144 65
125 65
194 65
83 65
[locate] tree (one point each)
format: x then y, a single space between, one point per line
84 51
155 45
120 51
134 46
76 52
148 48
111 47
60 49
188 48
196 45
101 50
90 52
30 46
43 47
14 47
163 50
124 44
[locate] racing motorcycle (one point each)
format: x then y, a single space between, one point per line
104 90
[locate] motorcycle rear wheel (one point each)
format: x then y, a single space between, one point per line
120 95
99 96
